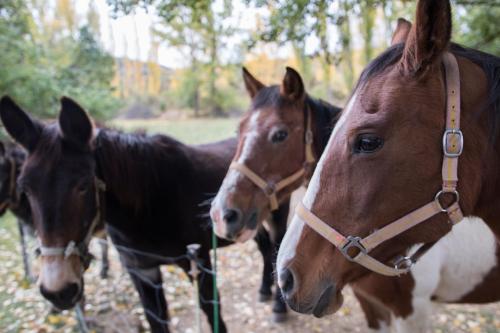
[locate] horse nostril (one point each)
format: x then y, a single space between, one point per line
287 281
231 216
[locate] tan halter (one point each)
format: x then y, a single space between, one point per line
452 149
272 189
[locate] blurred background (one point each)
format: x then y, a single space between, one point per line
178 59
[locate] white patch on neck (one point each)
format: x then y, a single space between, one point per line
451 269
289 244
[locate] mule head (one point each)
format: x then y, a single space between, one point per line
58 179
383 161
271 144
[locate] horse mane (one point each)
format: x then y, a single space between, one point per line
139 169
490 65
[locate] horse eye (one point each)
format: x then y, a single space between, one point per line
367 143
83 188
279 136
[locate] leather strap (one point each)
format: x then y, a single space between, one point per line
452 149
272 189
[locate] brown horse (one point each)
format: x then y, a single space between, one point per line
147 189
383 160
272 143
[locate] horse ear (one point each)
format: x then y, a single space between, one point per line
252 85
292 86
429 36
402 31
19 124
76 126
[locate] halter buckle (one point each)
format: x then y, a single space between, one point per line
447 134
353 242
438 197
270 189
309 137
403 263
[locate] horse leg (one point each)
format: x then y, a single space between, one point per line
103 242
279 223
377 317
148 283
24 252
205 289
264 244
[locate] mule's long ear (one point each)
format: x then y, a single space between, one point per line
19 124
292 86
429 36
402 31
252 85
75 124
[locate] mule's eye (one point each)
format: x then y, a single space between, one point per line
83 188
279 136
367 143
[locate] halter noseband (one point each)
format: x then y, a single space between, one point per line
272 189
452 148
79 249
12 198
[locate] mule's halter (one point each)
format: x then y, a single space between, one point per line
452 148
271 189
12 199
79 249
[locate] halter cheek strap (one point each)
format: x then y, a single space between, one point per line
272 189
356 249
79 249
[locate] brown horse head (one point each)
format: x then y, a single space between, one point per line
58 179
384 160
272 146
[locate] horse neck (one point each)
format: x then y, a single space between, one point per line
323 118
136 168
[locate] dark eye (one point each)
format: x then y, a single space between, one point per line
367 143
83 188
279 136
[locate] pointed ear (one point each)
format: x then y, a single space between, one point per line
429 36
292 86
19 124
252 85
402 31
75 124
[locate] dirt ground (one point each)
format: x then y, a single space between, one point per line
112 304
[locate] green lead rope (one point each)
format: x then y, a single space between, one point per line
216 296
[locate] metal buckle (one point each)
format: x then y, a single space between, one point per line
440 193
447 133
270 189
309 137
403 263
353 241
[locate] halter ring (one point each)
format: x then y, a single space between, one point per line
438 197
353 242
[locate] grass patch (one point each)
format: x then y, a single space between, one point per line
191 131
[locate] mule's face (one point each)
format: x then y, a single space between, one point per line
58 179
383 160
271 144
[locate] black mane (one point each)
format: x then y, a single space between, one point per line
490 64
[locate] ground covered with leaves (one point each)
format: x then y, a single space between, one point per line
112 304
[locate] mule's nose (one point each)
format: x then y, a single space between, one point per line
64 298
286 282
232 216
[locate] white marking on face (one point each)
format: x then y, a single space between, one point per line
56 273
233 176
289 244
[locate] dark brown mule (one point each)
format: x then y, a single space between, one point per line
12 158
151 204
272 144
384 159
